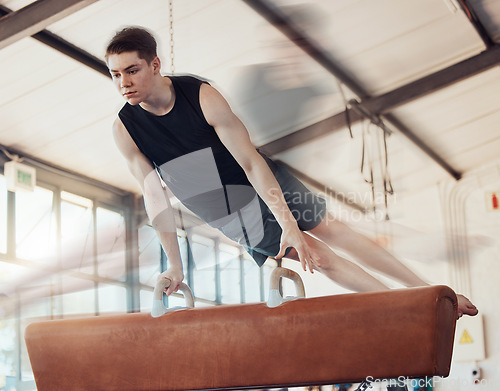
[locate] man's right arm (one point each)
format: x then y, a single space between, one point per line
156 201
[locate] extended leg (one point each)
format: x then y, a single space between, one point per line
338 269
364 250
369 254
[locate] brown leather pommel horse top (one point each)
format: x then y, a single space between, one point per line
323 340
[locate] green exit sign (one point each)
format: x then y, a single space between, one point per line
24 178
19 176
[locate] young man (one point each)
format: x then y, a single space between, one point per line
182 129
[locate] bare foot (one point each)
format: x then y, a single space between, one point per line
465 307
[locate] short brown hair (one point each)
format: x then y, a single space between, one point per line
133 39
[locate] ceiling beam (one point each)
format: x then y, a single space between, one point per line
460 71
65 47
283 23
276 17
73 51
35 17
309 133
385 103
423 147
476 23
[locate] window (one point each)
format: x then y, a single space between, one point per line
36 226
178 301
204 267
266 270
230 274
146 298
77 233
112 298
73 250
77 297
251 276
110 244
149 256
183 248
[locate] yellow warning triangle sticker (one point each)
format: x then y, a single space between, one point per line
466 338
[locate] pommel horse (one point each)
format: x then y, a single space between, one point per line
315 341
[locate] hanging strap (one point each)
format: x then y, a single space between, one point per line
346 105
171 20
370 181
388 189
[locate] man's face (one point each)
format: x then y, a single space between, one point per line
132 76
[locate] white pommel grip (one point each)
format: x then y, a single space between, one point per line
158 308
275 298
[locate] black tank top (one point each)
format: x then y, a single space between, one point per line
193 162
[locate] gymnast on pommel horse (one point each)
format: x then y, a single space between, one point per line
179 132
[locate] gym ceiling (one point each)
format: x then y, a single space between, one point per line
423 72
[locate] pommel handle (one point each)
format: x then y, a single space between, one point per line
158 307
275 298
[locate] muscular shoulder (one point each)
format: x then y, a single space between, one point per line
215 108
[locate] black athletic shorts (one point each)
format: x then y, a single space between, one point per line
307 208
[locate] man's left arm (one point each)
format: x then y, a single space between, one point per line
236 139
